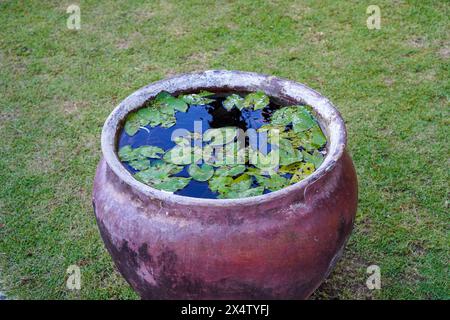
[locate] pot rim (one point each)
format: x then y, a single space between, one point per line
328 116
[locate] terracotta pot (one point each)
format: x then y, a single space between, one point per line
281 245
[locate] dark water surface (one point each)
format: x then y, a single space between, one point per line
213 115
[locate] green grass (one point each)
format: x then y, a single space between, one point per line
57 86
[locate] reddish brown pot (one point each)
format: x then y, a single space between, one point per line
280 245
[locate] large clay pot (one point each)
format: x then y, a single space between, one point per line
281 245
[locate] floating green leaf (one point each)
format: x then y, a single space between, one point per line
288 158
168 103
252 192
287 153
219 183
266 163
299 116
229 154
256 100
141 164
302 120
220 136
197 98
304 171
236 187
183 154
253 171
132 124
232 101
221 150
271 129
161 113
243 182
316 158
161 97
230 171
144 115
167 120
301 139
150 151
179 105
169 168
173 184
317 137
157 172
180 154
283 116
126 153
156 118
150 175
272 183
292 168
176 104
201 173
182 140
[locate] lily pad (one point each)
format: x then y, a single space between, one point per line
272 183
316 158
219 183
287 153
243 178
176 104
253 171
132 124
150 152
167 120
126 153
197 98
317 137
230 171
236 186
220 136
156 118
141 164
173 184
161 97
292 168
232 101
272 129
283 116
304 171
243 182
168 103
268 164
157 172
229 154
252 192
288 158
256 100
201 173
302 120
144 115
299 116
183 154
182 140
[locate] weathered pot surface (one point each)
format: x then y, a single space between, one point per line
281 245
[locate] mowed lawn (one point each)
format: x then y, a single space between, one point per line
57 86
